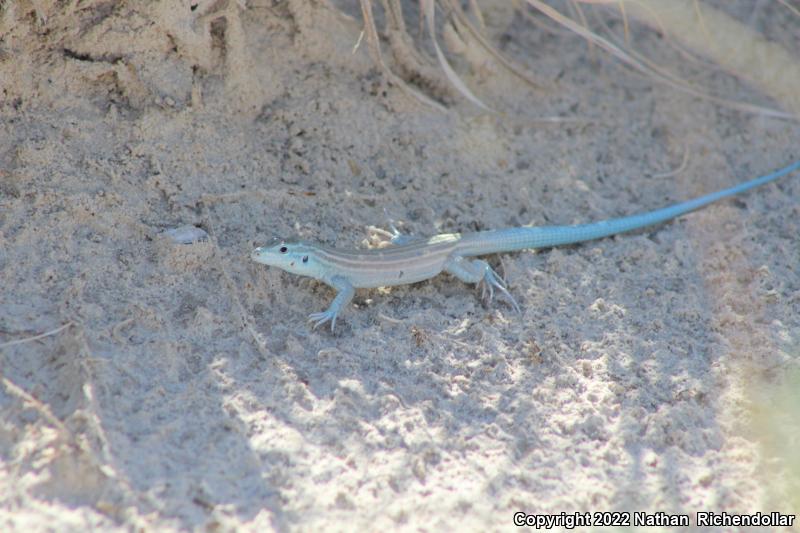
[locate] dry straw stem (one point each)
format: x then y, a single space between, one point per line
463 22
373 43
642 64
429 10
724 40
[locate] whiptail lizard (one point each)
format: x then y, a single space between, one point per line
411 260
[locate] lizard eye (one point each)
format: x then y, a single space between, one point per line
283 249
305 259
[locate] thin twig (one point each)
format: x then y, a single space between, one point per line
791 8
678 170
36 337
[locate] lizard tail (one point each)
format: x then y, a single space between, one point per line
511 239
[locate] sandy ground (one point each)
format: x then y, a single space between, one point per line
647 372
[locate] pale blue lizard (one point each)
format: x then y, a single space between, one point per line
411 260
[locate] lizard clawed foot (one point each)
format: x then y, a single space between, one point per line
322 317
491 281
343 297
480 273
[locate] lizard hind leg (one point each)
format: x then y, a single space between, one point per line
479 272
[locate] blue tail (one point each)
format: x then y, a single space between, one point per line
507 240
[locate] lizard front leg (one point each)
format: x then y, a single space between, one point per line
343 297
479 272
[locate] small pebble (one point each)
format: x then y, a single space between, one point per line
186 234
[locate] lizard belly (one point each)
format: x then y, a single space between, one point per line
401 275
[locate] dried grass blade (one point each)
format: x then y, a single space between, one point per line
655 72
428 8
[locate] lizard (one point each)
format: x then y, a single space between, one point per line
410 260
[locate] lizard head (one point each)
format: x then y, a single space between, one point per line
295 257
